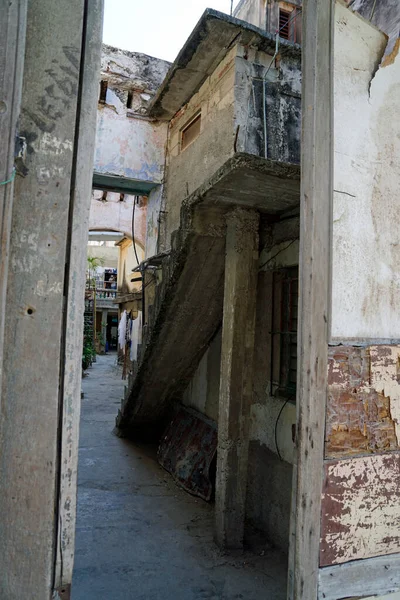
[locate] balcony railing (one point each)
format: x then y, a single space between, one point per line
105 294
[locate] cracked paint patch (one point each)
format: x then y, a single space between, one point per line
363 408
360 508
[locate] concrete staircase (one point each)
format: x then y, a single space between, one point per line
180 324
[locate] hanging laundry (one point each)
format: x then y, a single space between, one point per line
136 335
122 331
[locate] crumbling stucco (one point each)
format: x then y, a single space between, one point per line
363 406
366 213
283 104
128 143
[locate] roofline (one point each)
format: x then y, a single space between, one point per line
259 37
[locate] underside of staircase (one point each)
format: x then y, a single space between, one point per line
188 303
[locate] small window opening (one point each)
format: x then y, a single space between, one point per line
129 100
190 132
121 197
103 91
284 334
284 24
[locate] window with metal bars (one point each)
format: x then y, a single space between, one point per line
284 333
284 24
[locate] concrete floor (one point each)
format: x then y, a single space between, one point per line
139 536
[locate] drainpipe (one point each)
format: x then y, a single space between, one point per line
265 95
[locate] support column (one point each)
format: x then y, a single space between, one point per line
241 264
43 300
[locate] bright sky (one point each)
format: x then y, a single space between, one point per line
155 27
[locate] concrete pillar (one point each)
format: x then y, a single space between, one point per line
43 305
241 263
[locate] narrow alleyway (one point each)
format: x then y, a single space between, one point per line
139 536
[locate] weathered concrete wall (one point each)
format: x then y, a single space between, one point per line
188 169
203 390
269 493
270 477
154 206
283 104
231 104
44 303
366 216
114 214
128 144
272 417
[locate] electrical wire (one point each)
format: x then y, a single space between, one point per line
277 254
11 178
372 11
276 428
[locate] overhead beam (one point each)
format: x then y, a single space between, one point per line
122 185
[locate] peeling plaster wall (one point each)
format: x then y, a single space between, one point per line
128 144
363 408
366 211
361 491
113 214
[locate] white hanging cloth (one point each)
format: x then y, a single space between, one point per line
122 331
136 335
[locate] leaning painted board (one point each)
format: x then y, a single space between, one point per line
361 578
360 508
187 450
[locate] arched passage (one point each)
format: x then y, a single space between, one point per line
111 211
